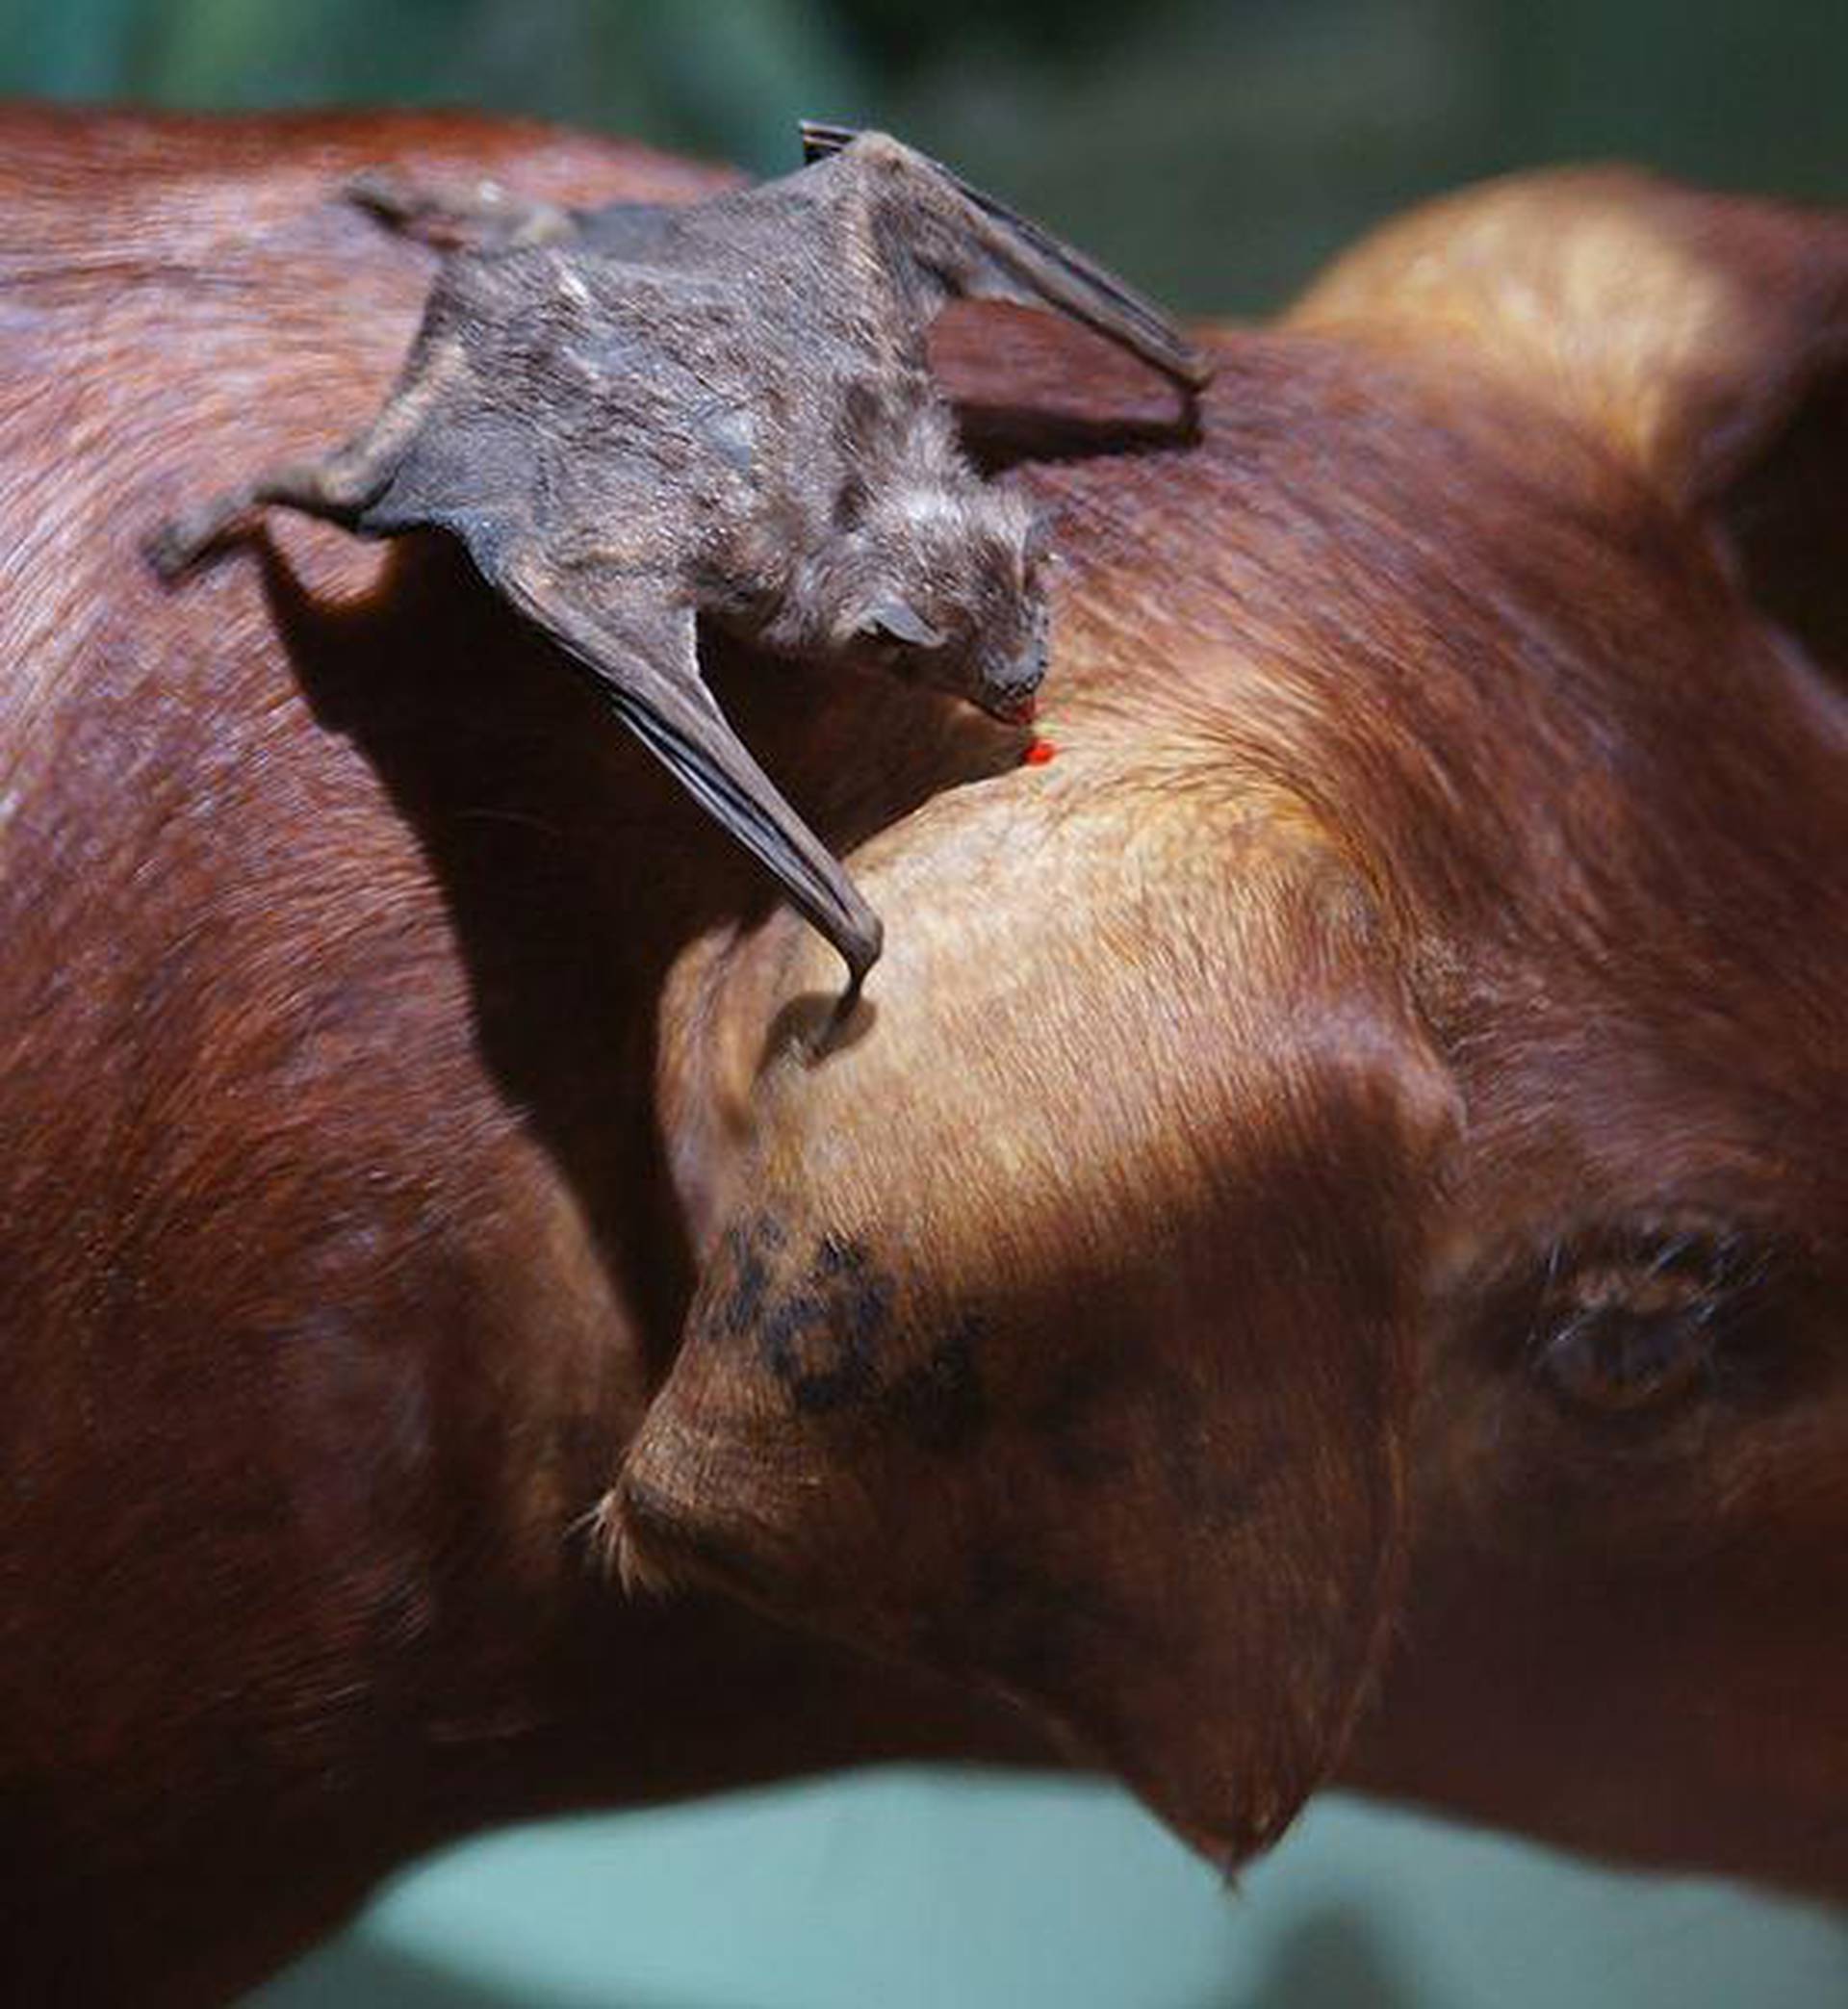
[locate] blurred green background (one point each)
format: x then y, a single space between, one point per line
1216 152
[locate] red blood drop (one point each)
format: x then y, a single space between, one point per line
1038 753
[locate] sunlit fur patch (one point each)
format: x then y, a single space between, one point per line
978 1371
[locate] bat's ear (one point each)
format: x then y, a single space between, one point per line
894 620
1702 338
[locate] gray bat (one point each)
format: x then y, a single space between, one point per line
639 415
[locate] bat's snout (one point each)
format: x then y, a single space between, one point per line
1012 696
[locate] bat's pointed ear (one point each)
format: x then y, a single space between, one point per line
1702 338
896 620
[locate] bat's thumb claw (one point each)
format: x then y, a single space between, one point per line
383 191
170 550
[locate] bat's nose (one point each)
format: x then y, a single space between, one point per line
1013 695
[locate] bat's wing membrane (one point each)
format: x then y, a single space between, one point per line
642 652
968 244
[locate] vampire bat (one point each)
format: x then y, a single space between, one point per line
639 415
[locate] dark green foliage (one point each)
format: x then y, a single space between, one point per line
1215 150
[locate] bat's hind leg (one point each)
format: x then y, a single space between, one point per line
337 489
484 218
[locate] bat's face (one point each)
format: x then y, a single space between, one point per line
948 590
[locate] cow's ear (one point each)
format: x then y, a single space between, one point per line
1703 338
1056 1333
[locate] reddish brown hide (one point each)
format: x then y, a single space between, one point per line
1332 1211
1366 1114
337 1256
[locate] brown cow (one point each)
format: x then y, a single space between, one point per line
1368 1115
1327 1236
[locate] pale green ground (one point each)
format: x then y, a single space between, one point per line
913 1890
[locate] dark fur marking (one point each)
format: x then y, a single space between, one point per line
1083 1394
750 1248
818 1340
1033 1625
939 1403
820 1334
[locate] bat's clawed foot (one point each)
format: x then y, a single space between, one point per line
860 947
813 1028
840 1019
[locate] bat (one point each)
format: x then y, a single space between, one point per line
638 417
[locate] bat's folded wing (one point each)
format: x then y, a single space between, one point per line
965 243
642 652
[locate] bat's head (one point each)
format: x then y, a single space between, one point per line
924 571
947 589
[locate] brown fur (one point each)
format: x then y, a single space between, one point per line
335 1259
1152 1312
1432 929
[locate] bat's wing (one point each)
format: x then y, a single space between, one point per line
642 652
962 242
